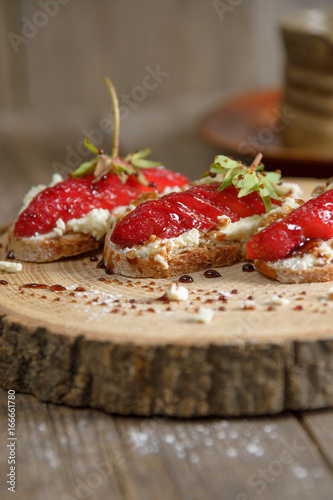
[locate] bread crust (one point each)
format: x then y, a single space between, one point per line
273 269
50 249
179 261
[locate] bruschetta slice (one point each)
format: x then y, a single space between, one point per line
298 249
72 216
207 225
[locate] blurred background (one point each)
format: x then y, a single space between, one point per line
171 63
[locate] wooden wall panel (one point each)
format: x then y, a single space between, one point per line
201 44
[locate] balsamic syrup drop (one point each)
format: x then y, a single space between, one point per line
212 273
186 279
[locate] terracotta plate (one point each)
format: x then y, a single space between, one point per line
255 122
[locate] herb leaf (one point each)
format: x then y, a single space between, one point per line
247 179
91 146
85 168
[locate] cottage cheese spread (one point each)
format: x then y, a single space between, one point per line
319 256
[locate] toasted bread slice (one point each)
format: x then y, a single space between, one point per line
47 249
313 266
179 260
276 271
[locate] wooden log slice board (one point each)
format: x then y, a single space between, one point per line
107 342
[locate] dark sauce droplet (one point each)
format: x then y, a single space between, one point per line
3 282
57 288
10 255
35 285
80 289
101 265
93 258
108 270
186 279
248 268
212 273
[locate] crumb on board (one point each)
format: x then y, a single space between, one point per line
204 315
10 267
176 292
276 300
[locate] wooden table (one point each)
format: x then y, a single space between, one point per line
64 453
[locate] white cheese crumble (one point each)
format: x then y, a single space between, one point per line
35 190
96 222
279 301
176 292
162 260
60 228
204 315
10 267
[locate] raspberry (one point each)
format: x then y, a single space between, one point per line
74 198
176 213
313 220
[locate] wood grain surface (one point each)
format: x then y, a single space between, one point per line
108 341
65 454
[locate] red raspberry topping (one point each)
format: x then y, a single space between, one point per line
176 213
74 198
313 220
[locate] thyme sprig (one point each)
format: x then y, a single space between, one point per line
104 164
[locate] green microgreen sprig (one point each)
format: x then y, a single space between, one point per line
247 179
104 164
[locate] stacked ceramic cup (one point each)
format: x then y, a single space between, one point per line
308 39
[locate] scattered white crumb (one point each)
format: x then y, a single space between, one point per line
205 315
176 292
279 301
10 267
